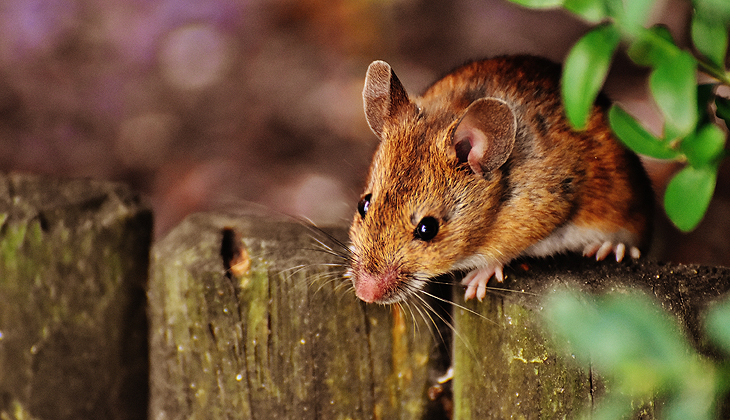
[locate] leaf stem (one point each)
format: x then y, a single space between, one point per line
709 69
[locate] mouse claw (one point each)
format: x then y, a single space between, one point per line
603 250
499 274
590 250
447 376
634 252
476 281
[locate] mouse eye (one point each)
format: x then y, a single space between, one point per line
363 204
427 228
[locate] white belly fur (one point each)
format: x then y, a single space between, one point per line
572 238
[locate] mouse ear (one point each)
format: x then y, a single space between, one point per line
485 135
383 96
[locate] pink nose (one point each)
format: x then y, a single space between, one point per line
373 288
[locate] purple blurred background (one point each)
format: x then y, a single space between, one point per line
203 104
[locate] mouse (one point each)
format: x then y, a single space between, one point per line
483 168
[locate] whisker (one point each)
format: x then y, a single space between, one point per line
401 305
432 280
462 307
325 282
500 289
342 295
423 311
331 276
317 230
326 248
291 271
428 309
448 323
347 285
332 253
416 327
338 265
329 250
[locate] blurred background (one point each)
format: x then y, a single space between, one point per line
204 104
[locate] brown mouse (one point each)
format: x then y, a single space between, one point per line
483 168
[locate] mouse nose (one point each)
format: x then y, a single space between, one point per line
374 287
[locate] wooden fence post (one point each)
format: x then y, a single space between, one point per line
73 331
272 337
248 320
505 368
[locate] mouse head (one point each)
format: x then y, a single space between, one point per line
433 188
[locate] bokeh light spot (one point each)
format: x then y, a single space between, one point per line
195 56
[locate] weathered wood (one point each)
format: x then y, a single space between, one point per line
248 320
73 266
273 337
505 368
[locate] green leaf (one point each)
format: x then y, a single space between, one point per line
720 9
674 87
636 138
652 46
710 37
572 318
688 195
639 349
717 325
625 336
658 344
538 4
704 147
612 406
695 400
636 13
585 70
590 10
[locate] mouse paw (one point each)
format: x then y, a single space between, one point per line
603 250
476 281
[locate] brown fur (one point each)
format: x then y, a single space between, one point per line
554 175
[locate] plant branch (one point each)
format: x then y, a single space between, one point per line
719 74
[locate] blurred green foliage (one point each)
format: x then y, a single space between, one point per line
641 352
691 133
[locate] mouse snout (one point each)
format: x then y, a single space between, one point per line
375 287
